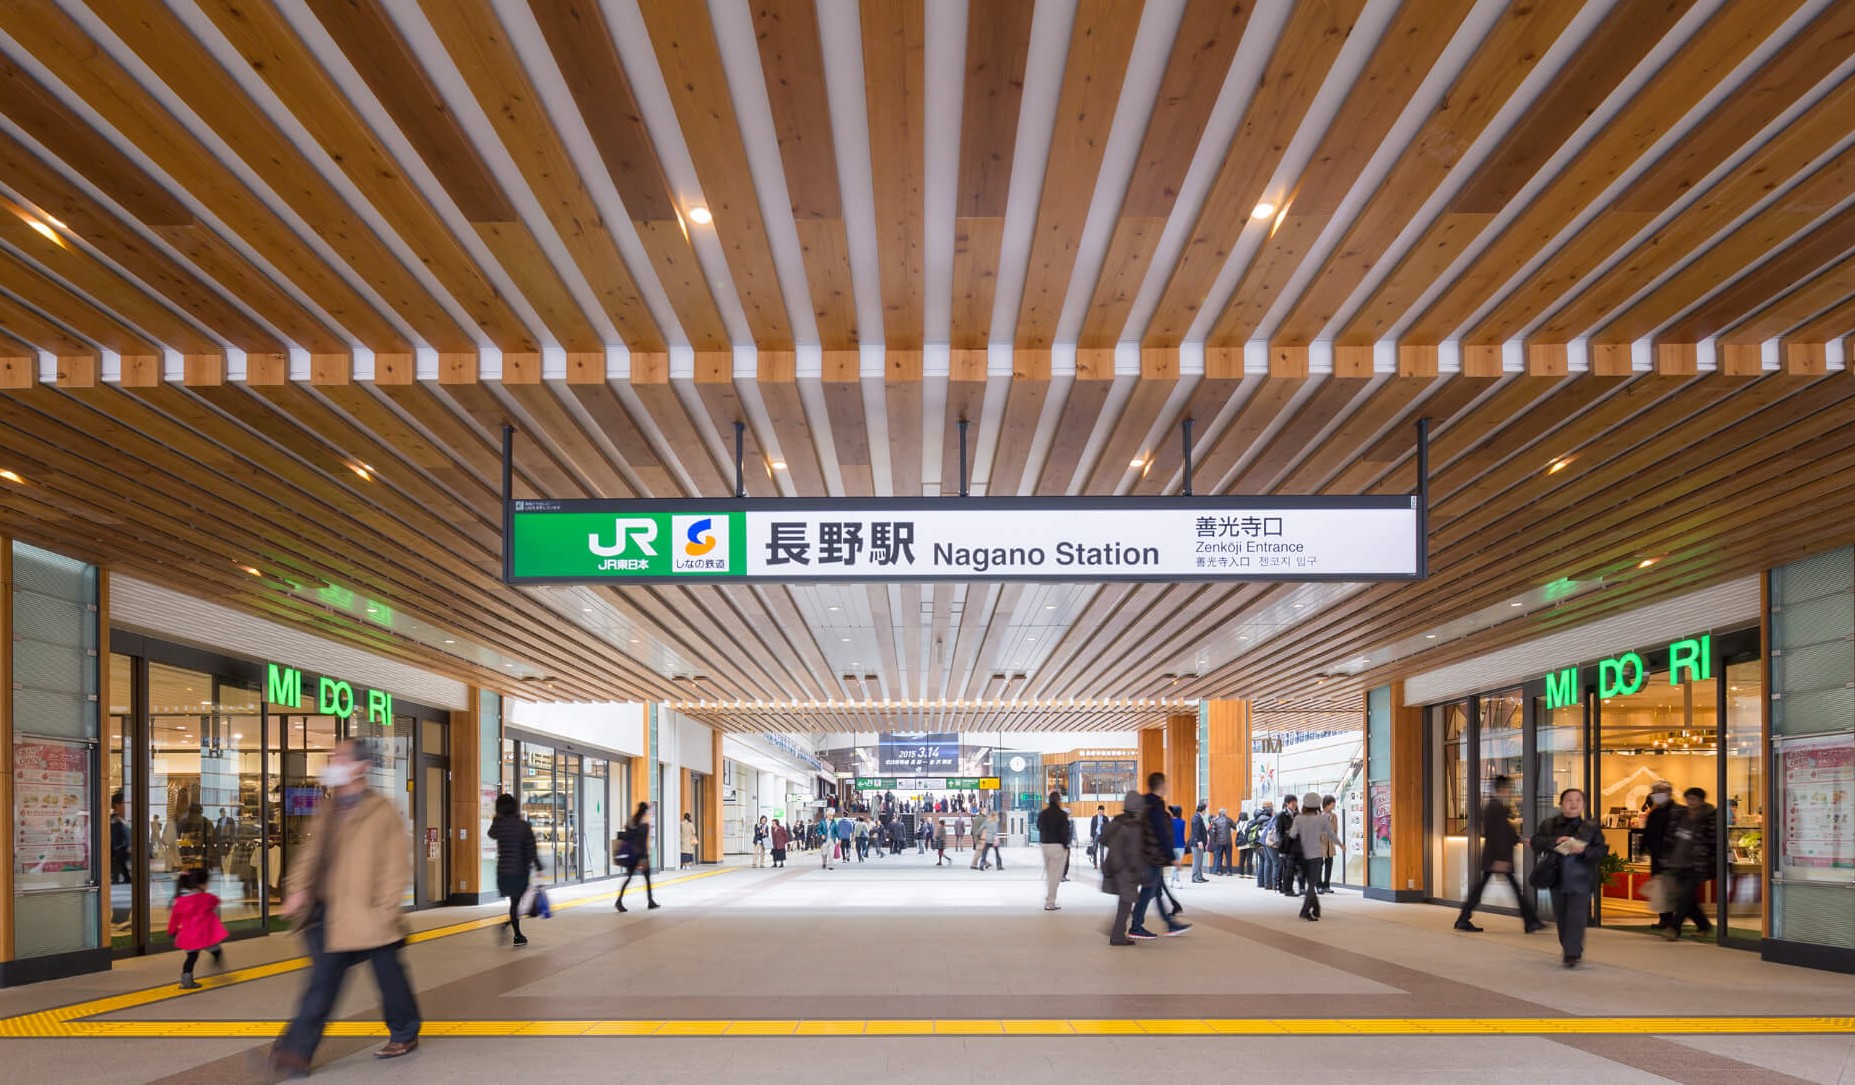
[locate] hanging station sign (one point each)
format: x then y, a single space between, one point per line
1073 540
927 783
1690 659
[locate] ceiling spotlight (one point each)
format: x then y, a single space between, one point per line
1263 210
1137 461
42 227
1645 563
365 471
1429 636
1516 604
700 216
12 476
449 640
779 465
1049 606
250 570
1557 466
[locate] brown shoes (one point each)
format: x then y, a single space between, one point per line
395 1049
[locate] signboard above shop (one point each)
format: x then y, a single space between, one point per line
1072 540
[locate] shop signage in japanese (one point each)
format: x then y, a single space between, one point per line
1690 659
1371 537
927 783
1819 808
51 813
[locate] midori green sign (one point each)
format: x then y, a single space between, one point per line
334 697
1689 659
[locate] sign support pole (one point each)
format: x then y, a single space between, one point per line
962 457
1187 427
508 504
1423 498
740 454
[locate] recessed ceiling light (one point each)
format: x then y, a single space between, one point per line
846 640
1557 466
1298 606
779 465
1645 563
1137 461
1429 636
448 640
250 570
832 607
365 471
1049 606
700 216
1263 210
11 476
1516 604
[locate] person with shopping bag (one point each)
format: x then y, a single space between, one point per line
516 856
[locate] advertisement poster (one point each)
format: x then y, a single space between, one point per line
918 753
1381 819
51 796
1268 781
1819 826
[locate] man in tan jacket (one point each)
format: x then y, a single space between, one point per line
345 891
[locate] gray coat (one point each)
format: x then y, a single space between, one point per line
1311 834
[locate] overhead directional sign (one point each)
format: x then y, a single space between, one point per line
967 539
927 783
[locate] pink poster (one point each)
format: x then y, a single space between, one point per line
1819 786
1381 819
51 797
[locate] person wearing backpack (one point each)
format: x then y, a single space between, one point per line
1261 831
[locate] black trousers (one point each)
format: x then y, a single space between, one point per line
1288 867
327 970
644 868
193 958
513 887
1326 874
1521 894
1687 901
1571 911
1310 886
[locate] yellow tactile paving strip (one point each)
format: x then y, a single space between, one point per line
69 1020
1361 1026
77 1021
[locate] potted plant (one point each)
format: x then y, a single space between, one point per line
1614 870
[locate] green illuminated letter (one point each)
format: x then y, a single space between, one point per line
1695 656
286 686
380 707
1562 688
1611 675
335 698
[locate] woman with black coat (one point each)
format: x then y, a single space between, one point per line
1571 846
516 855
635 854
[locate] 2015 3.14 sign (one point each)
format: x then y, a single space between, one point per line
890 539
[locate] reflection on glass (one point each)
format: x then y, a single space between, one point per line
119 770
594 802
567 825
538 801
1745 800
1503 717
1665 731
1453 801
204 785
1559 765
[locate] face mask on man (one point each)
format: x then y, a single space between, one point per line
1659 798
340 773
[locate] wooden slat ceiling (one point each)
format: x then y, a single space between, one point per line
972 717
273 274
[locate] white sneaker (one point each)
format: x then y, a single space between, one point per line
1053 907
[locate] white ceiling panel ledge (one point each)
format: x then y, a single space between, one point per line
160 612
1714 610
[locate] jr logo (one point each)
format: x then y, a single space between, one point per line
626 531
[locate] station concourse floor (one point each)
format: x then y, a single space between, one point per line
892 970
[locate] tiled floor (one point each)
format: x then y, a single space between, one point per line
834 963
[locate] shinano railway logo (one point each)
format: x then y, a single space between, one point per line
701 544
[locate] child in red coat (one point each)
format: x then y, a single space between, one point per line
194 923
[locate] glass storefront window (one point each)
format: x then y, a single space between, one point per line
1452 799
594 807
119 779
538 802
1503 740
567 822
1744 800
205 785
1558 764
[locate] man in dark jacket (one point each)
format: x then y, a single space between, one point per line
1498 841
1655 836
1053 831
1200 840
1692 848
1098 826
1159 855
1123 866
1287 865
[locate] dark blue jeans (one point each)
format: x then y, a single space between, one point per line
327 970
1148 890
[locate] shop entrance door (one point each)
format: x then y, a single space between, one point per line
430 870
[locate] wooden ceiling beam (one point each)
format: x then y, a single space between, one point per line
1100 46
684 42
1702 63
998 41
1195 74
1519 40
1409 47
894 55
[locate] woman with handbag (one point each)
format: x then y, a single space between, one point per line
516 855
634 854
1570 846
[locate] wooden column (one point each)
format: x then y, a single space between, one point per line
710 817
1227 748
1151 756
1182 762
1407 843
467 800
6 747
